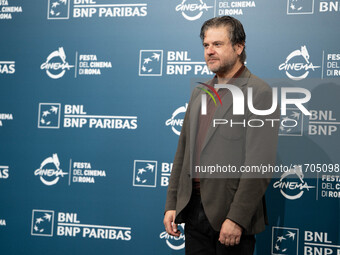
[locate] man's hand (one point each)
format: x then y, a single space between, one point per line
230 233
170 226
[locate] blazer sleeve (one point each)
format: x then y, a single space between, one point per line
177 166
260 149
171 197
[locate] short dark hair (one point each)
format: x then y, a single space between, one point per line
234 27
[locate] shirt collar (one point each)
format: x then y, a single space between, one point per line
235 76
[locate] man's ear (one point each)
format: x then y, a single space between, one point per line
239 48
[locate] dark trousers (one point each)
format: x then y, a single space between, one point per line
202 239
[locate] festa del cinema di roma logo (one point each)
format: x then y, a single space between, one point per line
298 70
175 122
174 242
56 64
49 171
292 189
192 9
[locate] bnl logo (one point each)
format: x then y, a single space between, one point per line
300 7
150 62
144 173
296 115
58 9
49 115
285 241
42 223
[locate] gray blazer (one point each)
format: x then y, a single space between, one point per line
240 199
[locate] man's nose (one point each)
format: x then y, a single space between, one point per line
210 50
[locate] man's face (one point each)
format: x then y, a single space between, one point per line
219 54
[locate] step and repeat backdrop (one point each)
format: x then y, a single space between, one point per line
92 99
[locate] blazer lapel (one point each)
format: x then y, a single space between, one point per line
219 113
193 117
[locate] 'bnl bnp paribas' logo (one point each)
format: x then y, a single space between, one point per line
145 173
58 9
42 223
49 115
300 7
150 62
285 241
296 115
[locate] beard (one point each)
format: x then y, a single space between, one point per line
222 67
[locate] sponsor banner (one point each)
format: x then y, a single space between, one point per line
298 64
292 115
58 9
9 10
233 8
329 6
193 10
300 7
74 116
5 117
50 172
49 115
293 183
145 173
165 174
285 240
322 123
89 9
83 172
174 242
330 186
7 67
295 7
4 172
42 223
330 64
176 120
319 123
175 63
63 224
56 64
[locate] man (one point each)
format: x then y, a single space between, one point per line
222 215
